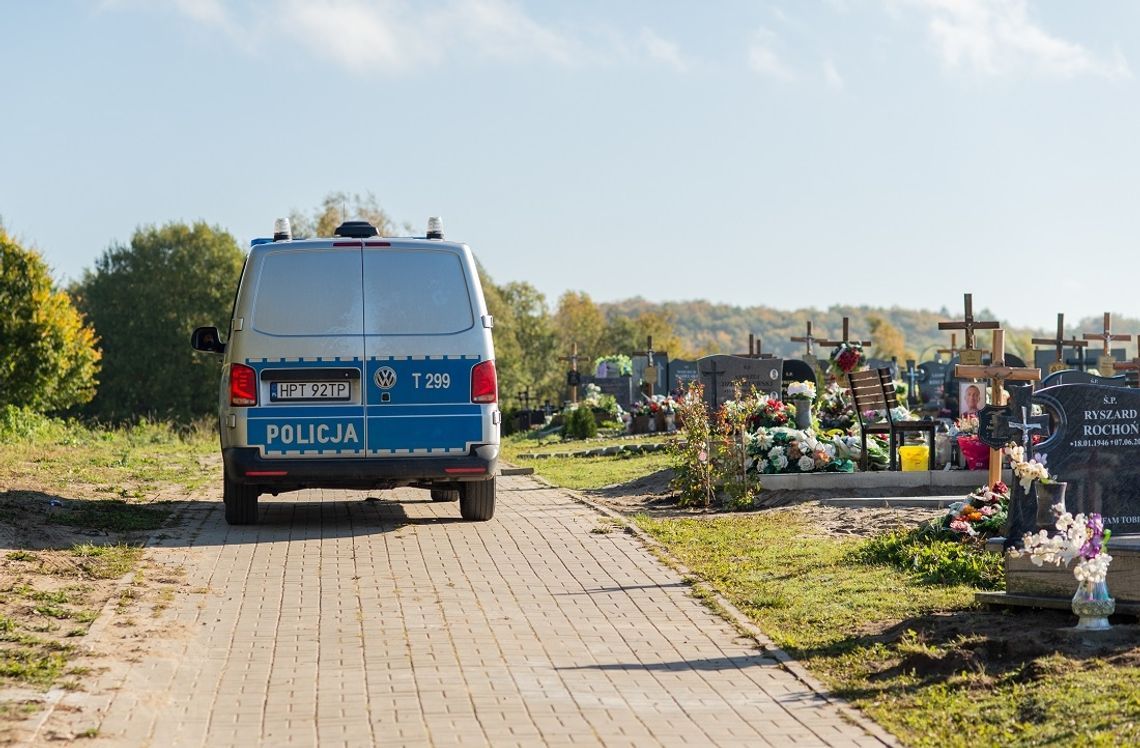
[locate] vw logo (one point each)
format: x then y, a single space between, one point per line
385 377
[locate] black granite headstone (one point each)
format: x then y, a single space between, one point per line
882 363
720 372
932 386
796 370
620 387
681 372
1095 448
1073 376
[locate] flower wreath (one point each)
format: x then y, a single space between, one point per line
847 357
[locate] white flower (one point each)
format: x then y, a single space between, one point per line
779 460
761 465
802 390
763 439
806 464
777 452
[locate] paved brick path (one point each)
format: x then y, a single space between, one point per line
341 621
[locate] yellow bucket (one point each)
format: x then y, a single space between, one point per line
914 457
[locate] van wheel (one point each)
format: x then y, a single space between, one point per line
444 494
241 502
477 500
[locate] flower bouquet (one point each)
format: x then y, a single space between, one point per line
1083 538
785 450
802 390
981 515
835 409
847 357
769 413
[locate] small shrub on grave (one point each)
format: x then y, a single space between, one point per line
732 427
579 423
693 452
925 553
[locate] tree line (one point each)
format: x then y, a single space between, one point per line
114 345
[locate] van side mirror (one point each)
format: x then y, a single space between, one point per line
207 340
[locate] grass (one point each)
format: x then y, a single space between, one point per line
909 647
584 473
64 481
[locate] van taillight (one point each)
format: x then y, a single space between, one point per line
243 385
484 383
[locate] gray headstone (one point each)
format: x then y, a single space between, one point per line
719 372
1095 448
661 363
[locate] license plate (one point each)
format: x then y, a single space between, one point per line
279 391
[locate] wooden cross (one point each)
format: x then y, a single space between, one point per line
808 340
1133 365
1105 363
1059 341
970 355
524 397
998 373
650 373
846 336
573 359
953 349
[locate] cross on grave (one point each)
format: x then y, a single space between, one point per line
714 374
911 383
650 373
1025 426
846 337
1059 341
524 398
1133 365
808 340
1105 363
998 373
573 378
970 355
952 350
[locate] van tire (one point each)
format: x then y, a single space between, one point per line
240 501
444 494
477 500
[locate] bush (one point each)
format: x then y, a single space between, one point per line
48 359
580 424
933 560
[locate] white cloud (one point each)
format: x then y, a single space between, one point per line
395 36
998 38
764 59
663 51
831 75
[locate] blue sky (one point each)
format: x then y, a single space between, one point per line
791 154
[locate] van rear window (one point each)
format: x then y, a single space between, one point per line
415 293
313 292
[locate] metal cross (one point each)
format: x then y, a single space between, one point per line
1025 427
912 382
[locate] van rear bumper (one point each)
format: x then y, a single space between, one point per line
245 465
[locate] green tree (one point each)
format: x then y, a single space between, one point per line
48 358
508 354
533 330
144 300
579 320
338 207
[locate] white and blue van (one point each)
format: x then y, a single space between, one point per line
359 362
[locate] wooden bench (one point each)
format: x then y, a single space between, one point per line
874 390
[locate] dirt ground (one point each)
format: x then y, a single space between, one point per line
652 495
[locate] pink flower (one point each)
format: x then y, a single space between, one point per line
960 525
989 510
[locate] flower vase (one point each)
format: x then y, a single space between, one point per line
1048 496
1093 605
640 425
670 422
975 452
659 421
803 414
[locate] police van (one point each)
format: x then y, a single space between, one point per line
359 362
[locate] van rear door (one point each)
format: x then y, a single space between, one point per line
306 344
421 343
